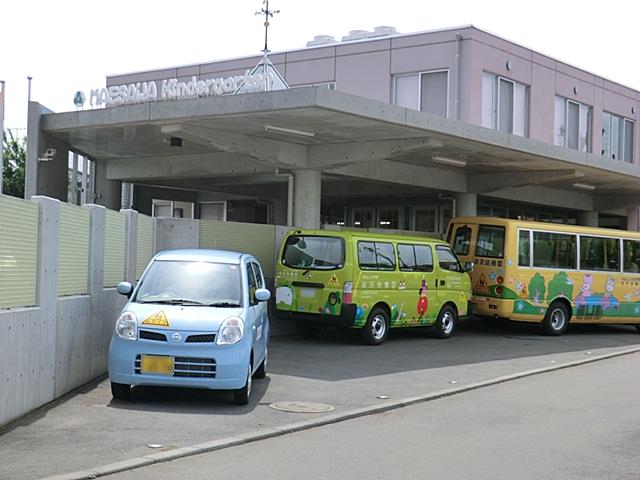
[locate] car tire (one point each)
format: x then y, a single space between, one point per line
638 327
446 322
241 396
556 319
121 391
376 329
261 371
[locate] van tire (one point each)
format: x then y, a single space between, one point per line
446 322
556 319
121 391
376 329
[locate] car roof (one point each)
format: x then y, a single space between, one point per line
201 255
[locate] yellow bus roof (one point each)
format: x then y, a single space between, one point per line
559 227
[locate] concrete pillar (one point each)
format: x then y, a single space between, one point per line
588 219
466 205
96 280
131 245
47 289
633 219
108 192
307 186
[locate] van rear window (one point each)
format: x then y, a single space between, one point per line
313 252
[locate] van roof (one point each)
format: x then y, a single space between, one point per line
361 234
200 255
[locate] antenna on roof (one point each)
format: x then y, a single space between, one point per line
267 13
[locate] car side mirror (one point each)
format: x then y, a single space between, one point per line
125 288
467 266
262 294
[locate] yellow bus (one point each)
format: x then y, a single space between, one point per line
371 282
550 273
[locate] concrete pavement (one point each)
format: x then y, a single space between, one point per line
88 429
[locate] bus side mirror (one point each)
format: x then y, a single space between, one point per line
467 266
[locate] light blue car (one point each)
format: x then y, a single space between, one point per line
197 318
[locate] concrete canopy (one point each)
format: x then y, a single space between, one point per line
253 138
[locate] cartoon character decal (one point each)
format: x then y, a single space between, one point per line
331 304
423 300
284 295
608 300
586 290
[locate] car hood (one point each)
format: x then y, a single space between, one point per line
181 317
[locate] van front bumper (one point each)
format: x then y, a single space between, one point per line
346 318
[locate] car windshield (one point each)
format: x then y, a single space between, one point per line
191 283
313 252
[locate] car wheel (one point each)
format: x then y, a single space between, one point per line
556 320
638 327
241 396
446 322
261 371
376 329
120 391
308 330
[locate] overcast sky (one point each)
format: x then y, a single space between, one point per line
70 45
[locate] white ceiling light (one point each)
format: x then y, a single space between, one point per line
450 161
584 186
290 131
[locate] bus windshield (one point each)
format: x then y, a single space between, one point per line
313 252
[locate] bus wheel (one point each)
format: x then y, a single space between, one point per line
377 327
556 320
446 322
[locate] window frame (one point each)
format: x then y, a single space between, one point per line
623 121
419 75
565 116
496 103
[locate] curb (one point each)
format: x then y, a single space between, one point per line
272 432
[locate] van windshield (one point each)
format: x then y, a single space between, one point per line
313 252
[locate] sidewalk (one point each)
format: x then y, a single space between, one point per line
87 429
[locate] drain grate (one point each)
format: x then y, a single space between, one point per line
302 407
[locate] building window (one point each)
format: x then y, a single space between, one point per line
617 137
426 219
426 91
505 105
572 125
171 209
389 218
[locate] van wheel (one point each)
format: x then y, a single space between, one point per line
308 330
120 391
241 396
446 322
377 327
556 320
638 327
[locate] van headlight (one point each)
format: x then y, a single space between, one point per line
126 326
231 331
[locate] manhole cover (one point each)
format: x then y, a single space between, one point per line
302 407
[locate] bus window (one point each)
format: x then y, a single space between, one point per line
424 258
554 250
631 256
598 253
490 242
406 258
524 248
462 240
447 260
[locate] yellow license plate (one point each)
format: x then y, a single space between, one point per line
156 364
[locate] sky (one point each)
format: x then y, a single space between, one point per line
71 45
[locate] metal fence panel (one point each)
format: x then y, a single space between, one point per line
144 243
252 238
73 253
114 248
18 252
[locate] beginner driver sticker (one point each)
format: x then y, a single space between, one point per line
158 319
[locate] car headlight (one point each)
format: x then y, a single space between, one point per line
126 326
231 331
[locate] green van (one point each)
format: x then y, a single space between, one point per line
370 281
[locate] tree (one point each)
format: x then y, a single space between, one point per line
15 158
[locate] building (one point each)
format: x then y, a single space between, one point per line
392 131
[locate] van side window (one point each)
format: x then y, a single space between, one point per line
424 258
376 256
447 259
462 240
406 258
490 242
631 256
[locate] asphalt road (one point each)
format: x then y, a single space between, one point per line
579 423
87 428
